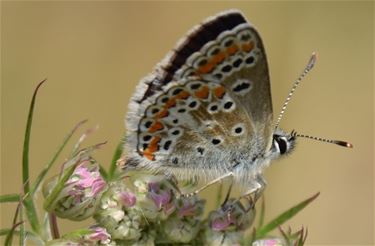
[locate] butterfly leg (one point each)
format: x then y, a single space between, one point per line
219 179
255 193
173 181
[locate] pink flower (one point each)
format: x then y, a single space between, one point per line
160 197
222 223
128 199
99 234
187 209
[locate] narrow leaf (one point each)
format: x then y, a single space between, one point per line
30 235
26 143
29 203
9 198
116 156
9 238
284 217
103 172
219 194
44 172
262 212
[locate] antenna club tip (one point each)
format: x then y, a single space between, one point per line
313 58
344 144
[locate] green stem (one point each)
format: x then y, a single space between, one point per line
53 225
116 156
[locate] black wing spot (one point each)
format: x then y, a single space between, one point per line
226 68
245 37
167 144
202 62
148 124
237 63
192 104
214 108
241 87
147 138
164 99
175 160
155 110
216 141
250 60
200 150
218 75
238 130
195 86
228 43
228 105
176 91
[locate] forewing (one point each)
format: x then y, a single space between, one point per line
208 104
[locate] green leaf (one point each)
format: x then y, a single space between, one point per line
103 172
29 203
9 198
116 156
29 235
9 237
26 143
284 217
44 172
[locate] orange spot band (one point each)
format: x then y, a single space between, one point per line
203 92
156 127
152 147
232 49
219 91
183 95
248 47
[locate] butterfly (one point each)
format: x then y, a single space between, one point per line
206 110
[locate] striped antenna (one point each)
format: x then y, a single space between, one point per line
307 69
338 142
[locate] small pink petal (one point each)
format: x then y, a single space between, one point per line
128 199
220 224
99 234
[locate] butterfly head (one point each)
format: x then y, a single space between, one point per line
283 143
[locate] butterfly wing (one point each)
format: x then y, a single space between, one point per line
207 106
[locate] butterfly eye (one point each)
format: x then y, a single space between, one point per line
281 143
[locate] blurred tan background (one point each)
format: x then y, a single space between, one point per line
94 53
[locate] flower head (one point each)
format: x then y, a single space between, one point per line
92 236
155 197
183 225
118 213
78 197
